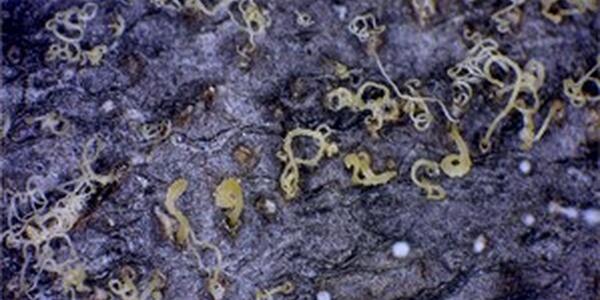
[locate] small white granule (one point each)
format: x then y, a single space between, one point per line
341 11
479 244
591 216
569 212
528 219
323 295
553 207
525 167
134 114
270 207
108 106
68 74
400 249
138 159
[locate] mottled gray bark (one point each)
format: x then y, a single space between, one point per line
334 237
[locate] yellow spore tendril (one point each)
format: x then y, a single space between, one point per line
53 122
158 281
366 29
73 279
255 22
177 188
552 9
290 177
117 26
69 28
457 165
556 107
433 191
215 288
125 287
574 90
229 195
425 9
507 16
360 164
285 288
380 104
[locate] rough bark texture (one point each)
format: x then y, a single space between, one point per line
334 237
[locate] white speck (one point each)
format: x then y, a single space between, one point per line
323 295
134 114
303 19
525 167
143 181
138 159
270 207
98 292
178 140
479 244
108 106
553 207
341 11
68 74
528 219
569 212
400 249
591 216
